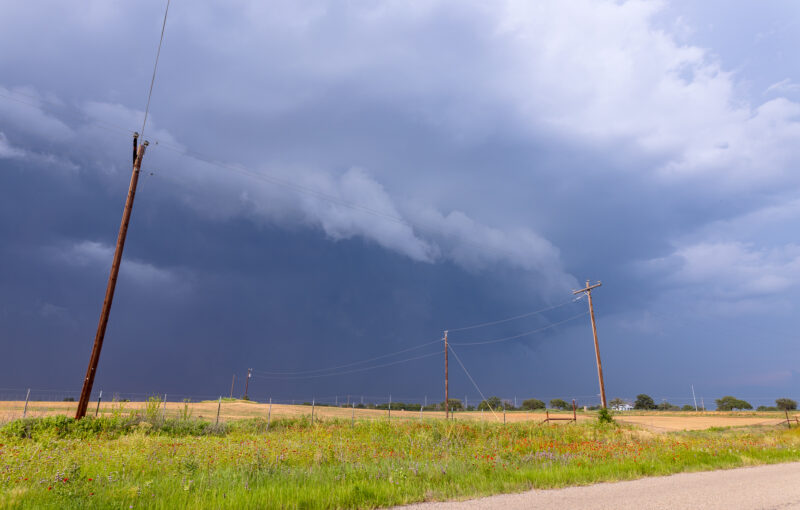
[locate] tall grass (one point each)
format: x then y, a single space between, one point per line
144 461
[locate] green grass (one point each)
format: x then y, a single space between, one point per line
132 462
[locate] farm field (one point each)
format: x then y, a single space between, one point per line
239 409
141 460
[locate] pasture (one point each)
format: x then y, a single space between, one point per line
140 459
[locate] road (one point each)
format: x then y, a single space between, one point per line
764 487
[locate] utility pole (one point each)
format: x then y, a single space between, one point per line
247 382
694 398
232 383
588 291
446 381
91 371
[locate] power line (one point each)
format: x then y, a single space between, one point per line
155 68
507 338
473 382
491 323
350 371
300 372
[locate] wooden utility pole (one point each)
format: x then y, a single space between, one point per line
446 381
247 382
588 291
232 383
138 154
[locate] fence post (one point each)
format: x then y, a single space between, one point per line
99 397
504 413
28 395
219 406
353 416
164 413
788 423
420 412
574 413
269 413
390 407
312 411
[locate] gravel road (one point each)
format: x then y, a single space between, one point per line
764 487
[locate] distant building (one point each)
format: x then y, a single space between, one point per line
622 407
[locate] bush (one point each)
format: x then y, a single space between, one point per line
604 416
644 401
532 404
729 403
490 403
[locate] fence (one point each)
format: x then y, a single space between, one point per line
16 403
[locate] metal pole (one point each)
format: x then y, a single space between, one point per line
98 403
27 396
446 381
219 407
269 413
694 398
94 359
353 416
312 411
233 381
504 412
165 406
390 406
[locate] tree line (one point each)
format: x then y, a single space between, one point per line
726 403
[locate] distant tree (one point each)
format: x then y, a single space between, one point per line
644 401
666 406
454 404
490 403
687 407
532 404
767 408
557 403
786 404
69 399
729 403
617 402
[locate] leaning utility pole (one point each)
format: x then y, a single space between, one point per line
588 291
446 381
247 382
138 154
233 381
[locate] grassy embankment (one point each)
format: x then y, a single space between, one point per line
144 461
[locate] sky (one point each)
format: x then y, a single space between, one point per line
331 185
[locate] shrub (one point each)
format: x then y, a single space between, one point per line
644 401
729 403
604 416
532 404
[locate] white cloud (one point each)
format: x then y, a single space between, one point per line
97 257
785 86
8 151
733 270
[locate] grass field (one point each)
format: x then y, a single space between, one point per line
140 460
240 409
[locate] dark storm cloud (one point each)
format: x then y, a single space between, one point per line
498 156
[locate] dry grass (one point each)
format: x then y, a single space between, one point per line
655 421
